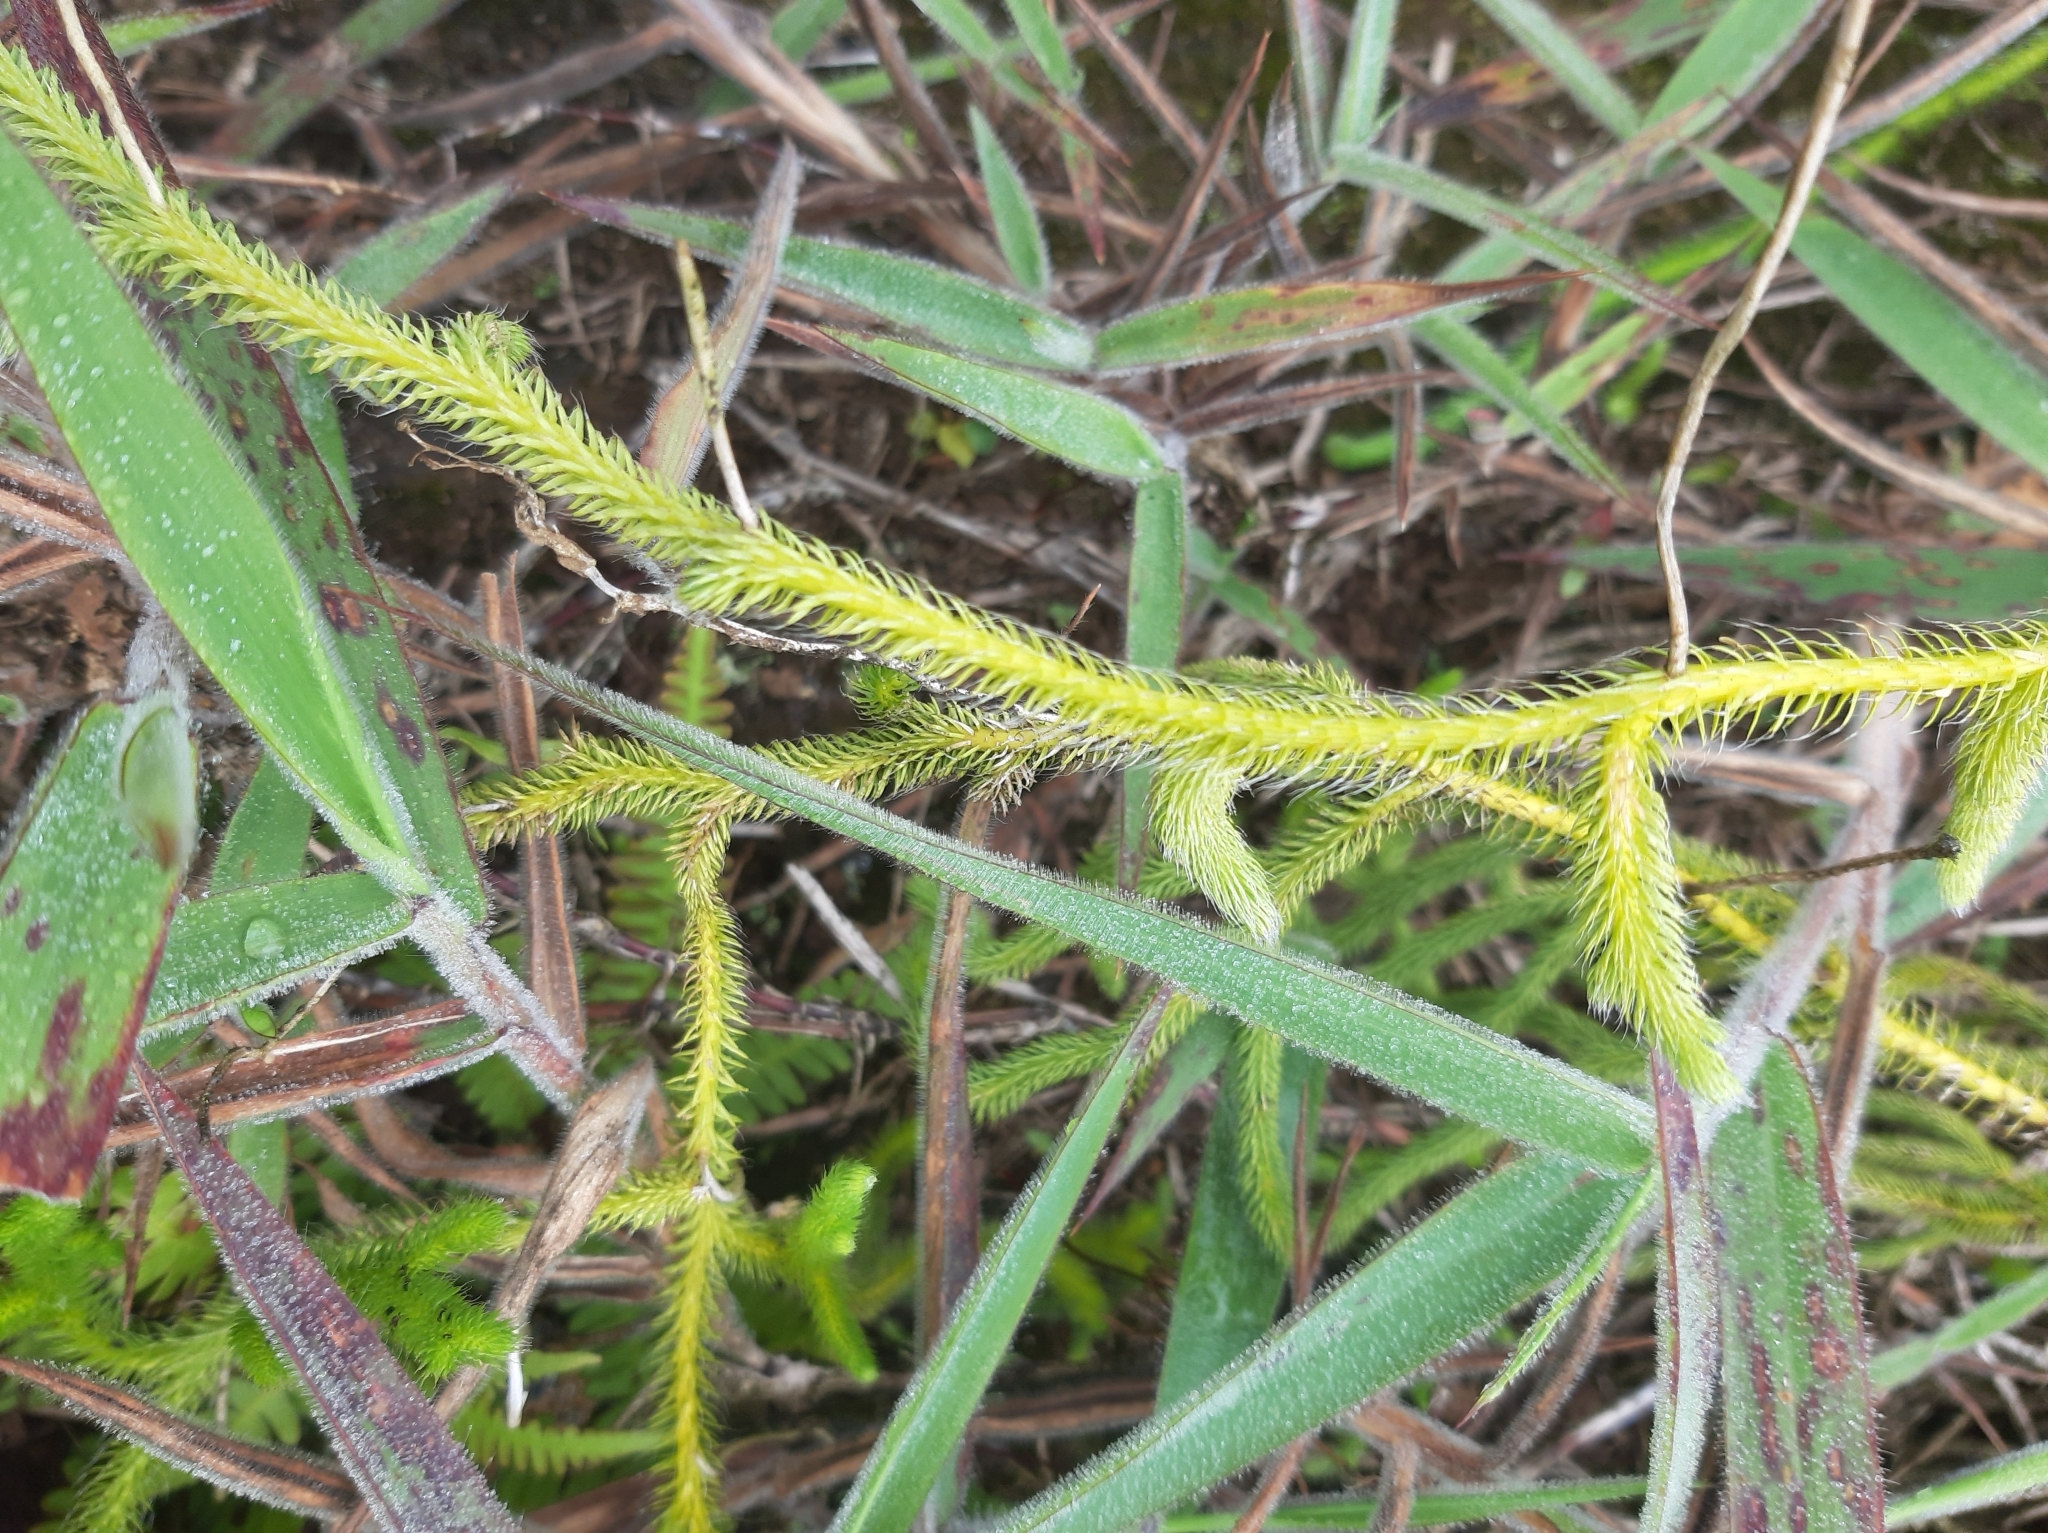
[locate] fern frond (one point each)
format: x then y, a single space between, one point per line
2002 1087
1265 1174
1191 817
1998 761
535 1448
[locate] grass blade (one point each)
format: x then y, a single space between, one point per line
242 945
1738 52
924 1428
1070 424
1444 1506
1230 1279
86 891
2009 1307
1041 34
279 1477
130 35
1281 316
1800 1427
397 257
1472 355
1187 1067
1486 1251
1591 1264
265 841
1931 583
1355 119
1557 50
2011 1478
1347 1018
1688 1312
408 1469
313 1070
680 427
1018 234
1931 333
250 549
952 309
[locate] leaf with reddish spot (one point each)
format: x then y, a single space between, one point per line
86 891
409 1470
1799 1425
1283 316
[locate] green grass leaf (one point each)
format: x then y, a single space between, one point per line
1443 1506
1489 1249
2009 1307
923 1431
1347 1018
242 945
1553 46
952 309
1931 333
1068 423
265 841
404 252
1738 51
86 891
130 35
1041 34
1946 585
2010 1478
1799 1424
1018 234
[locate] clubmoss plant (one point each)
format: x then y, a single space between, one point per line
957 694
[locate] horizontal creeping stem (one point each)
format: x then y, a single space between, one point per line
470 378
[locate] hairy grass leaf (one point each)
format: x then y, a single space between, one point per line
1347 1018
1799 1424
1855 578
86 890
1018 234
1552 44
130 35
383 267
1487 1250
923 1430
1230 1280
1280 316
2014 1477
680 427
952 309
243 944
279 1477
1068 423
265 841
1688 1312
1931 333
1739 50
1355 119
1439 1507
410 1471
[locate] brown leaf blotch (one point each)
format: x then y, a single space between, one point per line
38 934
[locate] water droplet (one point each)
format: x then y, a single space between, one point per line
263 938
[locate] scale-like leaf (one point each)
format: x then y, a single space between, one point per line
923 1431
244 944
1800 1429
1018 234
408 1469
952 309
1932 333
1071 424
1489 1249
1905 580
1348 1018
85 896
1282 316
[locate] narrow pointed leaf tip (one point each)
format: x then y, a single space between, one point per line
409 1470
86 893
